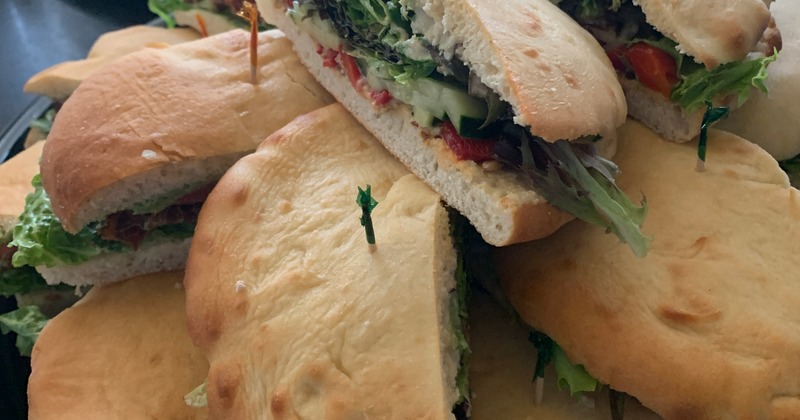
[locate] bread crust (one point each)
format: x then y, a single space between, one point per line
15 185
170 107
659 113
120 352
59 81
554 74
297 317
707 325
500 204
712 31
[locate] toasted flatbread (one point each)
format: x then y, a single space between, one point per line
707 325
122 352
297 317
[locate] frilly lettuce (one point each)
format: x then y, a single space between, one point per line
27 322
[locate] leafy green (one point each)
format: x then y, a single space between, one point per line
459 303
198 397
571 377
24 280
594 8
45 122
701 85
27 322
164 9
366 202
575 179
41 240
792 168
712 115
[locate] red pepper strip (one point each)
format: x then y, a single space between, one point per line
654 67
380 97
351 69
329 58
465 148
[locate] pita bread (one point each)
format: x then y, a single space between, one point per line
60 80
297 317
707 326
121 352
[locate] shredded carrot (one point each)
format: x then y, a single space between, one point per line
202 24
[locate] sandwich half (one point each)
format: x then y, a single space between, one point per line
675 59
707 326
500 106
297 317
122 352
135 150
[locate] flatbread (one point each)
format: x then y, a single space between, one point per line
60 80
122 352
708 324
297 317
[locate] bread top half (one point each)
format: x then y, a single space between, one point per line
712 31
556 77
120 352
153 113
706 325
297 317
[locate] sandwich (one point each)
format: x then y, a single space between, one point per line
772 120
208 17
121 352
502 365
24 283
59 81
676 60
135 150
503 108
296 314
706 326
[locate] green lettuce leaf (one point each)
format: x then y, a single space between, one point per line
45 122
459 303
736 78
41 240
574 378
575 179
198 397
24 280
27 322
164 9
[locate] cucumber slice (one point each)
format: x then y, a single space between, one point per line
423 117
465 112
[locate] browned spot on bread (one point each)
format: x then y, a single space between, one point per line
571 80
531 52
223 381
285 206
534 23
685 316
544 66
239 196
278 403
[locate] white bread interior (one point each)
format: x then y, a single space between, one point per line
151 257
659 113
500 204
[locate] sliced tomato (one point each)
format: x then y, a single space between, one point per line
654 67
466 148
351 69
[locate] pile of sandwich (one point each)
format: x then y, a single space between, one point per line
418 209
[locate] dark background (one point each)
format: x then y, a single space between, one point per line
37 34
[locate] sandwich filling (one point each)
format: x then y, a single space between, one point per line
394 54
40 240
639 51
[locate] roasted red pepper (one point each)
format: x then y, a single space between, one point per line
351 69
380 97
654 67
466 148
